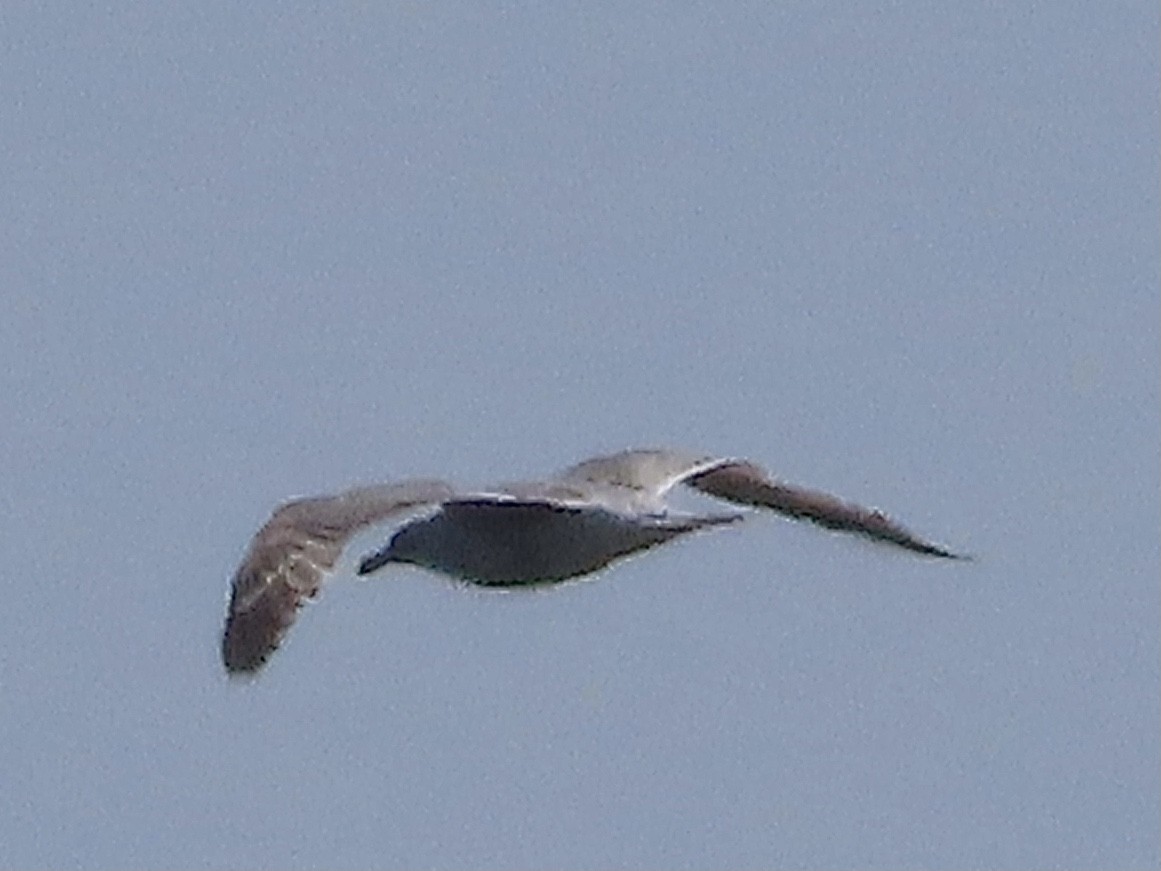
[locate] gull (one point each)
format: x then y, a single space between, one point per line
519 534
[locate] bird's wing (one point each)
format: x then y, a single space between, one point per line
653 471
744 483
290 555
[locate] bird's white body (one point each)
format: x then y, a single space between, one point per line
499 542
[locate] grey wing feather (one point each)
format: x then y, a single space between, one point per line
745 483
291 553
652 470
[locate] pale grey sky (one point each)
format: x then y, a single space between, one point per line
906 252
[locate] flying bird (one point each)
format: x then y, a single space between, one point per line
518 534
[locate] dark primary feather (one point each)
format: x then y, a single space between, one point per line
745 483
253 633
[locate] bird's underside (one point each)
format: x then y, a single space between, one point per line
506 543
540 532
